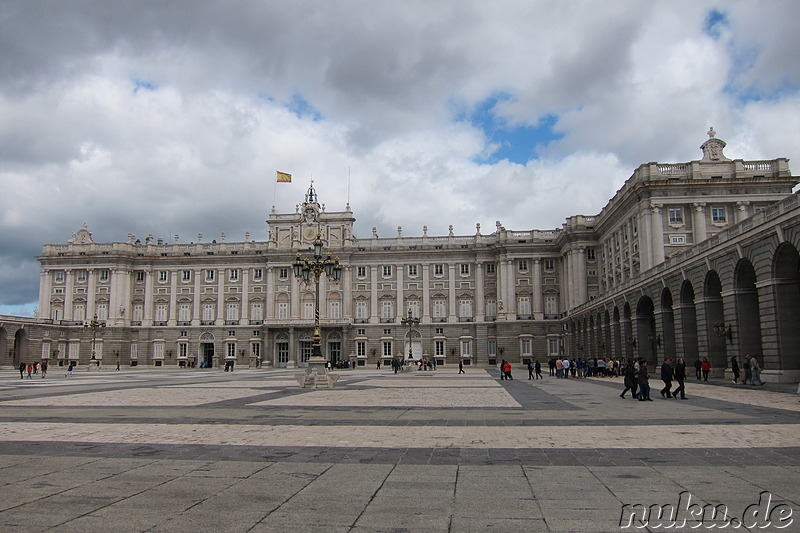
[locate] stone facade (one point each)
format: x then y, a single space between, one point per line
479 298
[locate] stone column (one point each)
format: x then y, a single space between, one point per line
657 235
374 317
147 319
244 315
45 293
173 298
538 308
699 223
583 294
197 297
91 289
347 293
508 276
400 312
269 304
426 293
69 288
480 303
645 244
451 293
220 297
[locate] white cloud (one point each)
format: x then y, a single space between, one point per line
173 119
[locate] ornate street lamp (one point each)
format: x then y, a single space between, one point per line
95 325
411 322
316 266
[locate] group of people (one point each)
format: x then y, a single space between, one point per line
637 379
752 370
597 367
32 368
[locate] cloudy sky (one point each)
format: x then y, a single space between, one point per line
171 117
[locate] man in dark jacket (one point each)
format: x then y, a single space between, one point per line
644 382
666 377
680 377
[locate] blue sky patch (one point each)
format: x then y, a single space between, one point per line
516 143
143 85
714 22
303 109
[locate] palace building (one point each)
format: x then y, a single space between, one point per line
506 294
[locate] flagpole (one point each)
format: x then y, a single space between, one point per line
274 190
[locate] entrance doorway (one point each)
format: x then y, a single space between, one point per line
206 354
334 352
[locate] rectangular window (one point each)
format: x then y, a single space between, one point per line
387 309
186 275
258 274
523 265
552 346
104 275
158 350
361 348
466 348
361 272
524 305
138 312
134 351
438 270
283 310
234 274
162 276
490 268
387 271
183 350
590 254
79 312
102 312
335 311
184 312
140 277
412 271
525 347
255 349
161 313
439 331
718 214
387 348
361 310
308 310
413 307
283 273
438 347
465 309
283 352
492 347
549 265
81 276
491 308
256 311
210 275
551 305
208 313
677 239
675 215
465 269
439 309
231 350
59 276
232 312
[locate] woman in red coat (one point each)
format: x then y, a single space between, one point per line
507 370
705 366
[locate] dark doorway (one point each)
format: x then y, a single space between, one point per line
206 354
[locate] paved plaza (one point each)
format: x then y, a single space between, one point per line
206 450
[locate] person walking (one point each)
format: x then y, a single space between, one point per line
630 381
461 367
44 369
735 369
565 367
559 368
644 382
680 377
666 377
530 369
705 366
748 371
502 369
22 367
756 370
551 363
507 370
537 366
698 367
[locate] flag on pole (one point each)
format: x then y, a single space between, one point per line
283 177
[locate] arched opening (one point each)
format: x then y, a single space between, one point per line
688 330
617 334
715 314
627 329
748 315
646 338
205 351
20 345
787 294
667 325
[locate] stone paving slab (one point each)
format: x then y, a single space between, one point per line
118 452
